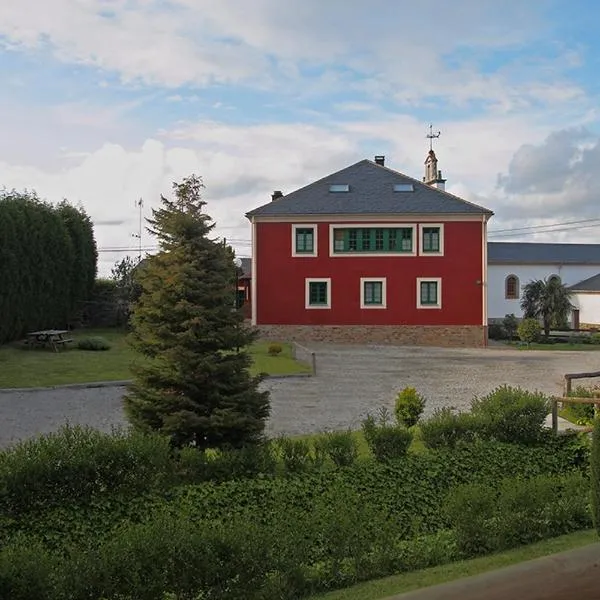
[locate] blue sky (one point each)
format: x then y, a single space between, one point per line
106 101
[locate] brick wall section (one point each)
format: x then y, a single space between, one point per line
464 336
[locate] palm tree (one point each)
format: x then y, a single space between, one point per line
548 300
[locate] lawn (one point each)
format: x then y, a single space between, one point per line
398 584
20 367
558 346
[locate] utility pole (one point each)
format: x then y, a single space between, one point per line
140 205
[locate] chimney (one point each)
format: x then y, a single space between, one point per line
440 183
276 195
380 160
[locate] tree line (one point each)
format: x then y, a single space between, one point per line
48 263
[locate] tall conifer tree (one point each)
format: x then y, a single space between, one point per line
195 386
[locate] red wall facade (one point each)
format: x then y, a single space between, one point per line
280 279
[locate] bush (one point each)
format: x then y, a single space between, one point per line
409 407
496 332
296 454
595 474
386 441
339 446
78 463
517 512
445 429
511 415
529 330
511 325
275 349
93 343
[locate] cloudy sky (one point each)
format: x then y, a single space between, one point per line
107 101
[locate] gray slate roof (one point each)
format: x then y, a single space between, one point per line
371 193
591 284
541 253
246 267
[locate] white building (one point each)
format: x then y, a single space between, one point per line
511 265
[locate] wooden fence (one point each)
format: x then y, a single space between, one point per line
566 399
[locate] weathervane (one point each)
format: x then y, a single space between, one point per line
432 136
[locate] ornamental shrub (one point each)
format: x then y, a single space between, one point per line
339 446
275 349
93 343
511 415
409 407
529 330
445 429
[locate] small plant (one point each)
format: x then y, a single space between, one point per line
511 415
93 343
295 454
529 330
409 407
275 349
339 446
445 429
511 325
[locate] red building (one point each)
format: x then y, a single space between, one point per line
369 255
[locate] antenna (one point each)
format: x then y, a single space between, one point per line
140 205
432 136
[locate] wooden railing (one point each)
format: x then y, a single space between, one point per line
566 399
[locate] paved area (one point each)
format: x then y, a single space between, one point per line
351 381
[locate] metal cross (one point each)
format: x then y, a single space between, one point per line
432 136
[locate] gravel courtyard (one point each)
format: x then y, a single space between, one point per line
351 381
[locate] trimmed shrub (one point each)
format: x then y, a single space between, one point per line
79 463
275 349
595 474
340 446
511 415
519 511
445 429
93 344
529 330
409 407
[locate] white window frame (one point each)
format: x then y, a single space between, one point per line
425 226
390 225
437 280
315 229
307 283
383 282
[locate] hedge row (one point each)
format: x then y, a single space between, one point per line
342 538
48 262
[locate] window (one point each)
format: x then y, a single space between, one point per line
432 239
380 240
429 293
318 293
372 292
339 187
404 187
304 240
511 287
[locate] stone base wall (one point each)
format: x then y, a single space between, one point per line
465 336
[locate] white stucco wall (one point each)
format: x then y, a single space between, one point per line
589 307
499 306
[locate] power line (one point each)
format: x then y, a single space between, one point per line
522 233
543 226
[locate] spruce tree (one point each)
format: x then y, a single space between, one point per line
193 386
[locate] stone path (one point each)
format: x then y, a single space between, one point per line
351 381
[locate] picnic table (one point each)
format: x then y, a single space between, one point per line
48 338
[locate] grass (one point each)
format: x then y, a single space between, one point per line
20 367
559 346
398 584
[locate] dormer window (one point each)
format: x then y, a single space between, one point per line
339 187
404 187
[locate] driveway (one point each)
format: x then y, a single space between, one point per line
351 381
